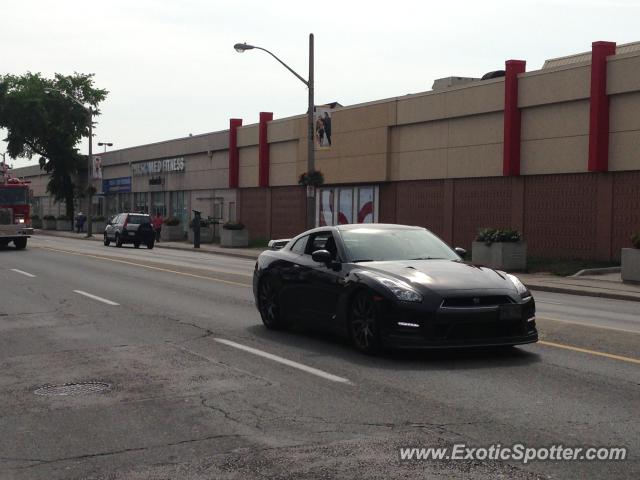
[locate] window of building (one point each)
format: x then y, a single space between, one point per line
157 204
232 212
124 202
179 208
141 202
342 205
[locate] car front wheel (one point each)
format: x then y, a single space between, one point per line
364 325
106 240
118 241
269 304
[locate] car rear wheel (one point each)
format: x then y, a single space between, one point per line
364 326
150 245
118 241
269 304
136 244
20 243
106 240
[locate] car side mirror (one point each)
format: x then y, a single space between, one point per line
322 256
460 251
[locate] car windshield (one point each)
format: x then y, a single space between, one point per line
13 196
376 244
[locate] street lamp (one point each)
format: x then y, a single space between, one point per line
311 163
105 144
89 111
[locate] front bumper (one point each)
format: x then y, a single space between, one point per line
499 325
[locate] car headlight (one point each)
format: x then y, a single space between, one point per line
400 289
522 290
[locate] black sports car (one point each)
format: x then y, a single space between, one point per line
391 286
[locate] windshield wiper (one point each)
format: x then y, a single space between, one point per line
428 258
362 260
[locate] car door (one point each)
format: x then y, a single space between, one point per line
322 283
111 227
288 270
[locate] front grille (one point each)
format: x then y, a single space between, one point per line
477 301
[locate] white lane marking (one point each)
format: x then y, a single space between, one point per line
95 297
26 274
550 303
284 361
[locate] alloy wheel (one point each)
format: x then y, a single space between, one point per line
364 327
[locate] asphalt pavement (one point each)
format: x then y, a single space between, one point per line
181 380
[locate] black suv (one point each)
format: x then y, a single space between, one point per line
133 228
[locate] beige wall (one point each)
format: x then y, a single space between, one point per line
248 166
624 125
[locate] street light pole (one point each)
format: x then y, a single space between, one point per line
311 160
311 152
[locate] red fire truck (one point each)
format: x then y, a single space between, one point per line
15 221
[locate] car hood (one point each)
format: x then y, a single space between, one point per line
443 275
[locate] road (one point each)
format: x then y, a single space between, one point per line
196 387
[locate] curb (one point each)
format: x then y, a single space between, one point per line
597 271
584 293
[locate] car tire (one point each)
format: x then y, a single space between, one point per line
364 323
269 305
150 245
106 240
136 244
20 243
118 241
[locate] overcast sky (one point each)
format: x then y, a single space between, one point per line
171 69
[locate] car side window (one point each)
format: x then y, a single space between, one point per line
300 245
322 241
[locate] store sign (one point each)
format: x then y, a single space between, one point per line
155 181
154 167
116 185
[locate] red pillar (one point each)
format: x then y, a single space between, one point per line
599 107
263 149
234 154
511 149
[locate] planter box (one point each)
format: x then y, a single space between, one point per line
234 238
49 224
36 223
63 225
206 235
171 233
500 255
96 227
630 271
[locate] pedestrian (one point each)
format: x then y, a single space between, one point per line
195 225
157 225
80 218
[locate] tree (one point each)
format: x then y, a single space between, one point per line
43 120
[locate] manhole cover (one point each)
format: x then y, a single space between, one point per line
83 388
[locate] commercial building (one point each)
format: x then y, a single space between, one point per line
554 153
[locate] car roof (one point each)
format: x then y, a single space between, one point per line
378 226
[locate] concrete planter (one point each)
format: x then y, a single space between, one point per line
49 224
630 270
96 227
500 255
234 238
36 222
172 233
206 235
63 225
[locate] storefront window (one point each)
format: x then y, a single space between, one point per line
365 204
353 205
345 212
179 208
141 202
124 202
158 206
112 204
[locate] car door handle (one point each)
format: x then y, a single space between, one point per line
295 265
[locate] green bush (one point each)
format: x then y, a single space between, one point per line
172 221
495 235
98 218
35 217
48 217
62 217
635 240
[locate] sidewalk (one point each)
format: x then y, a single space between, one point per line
605 286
